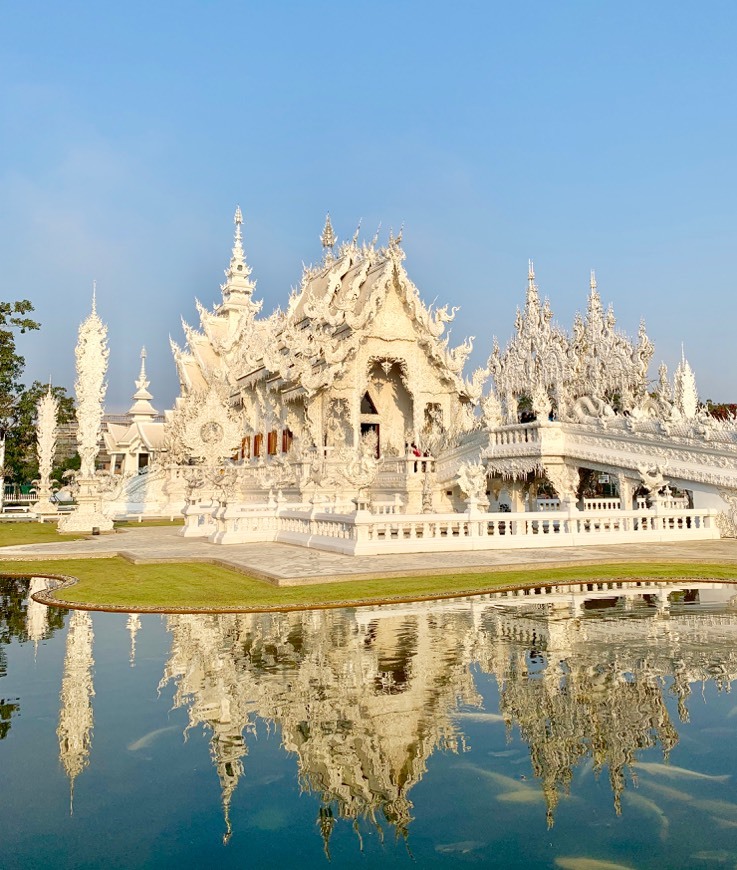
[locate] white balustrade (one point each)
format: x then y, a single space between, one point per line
602 504
522 434
324 527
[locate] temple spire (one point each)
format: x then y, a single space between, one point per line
94 297
685 394
592 281
142 409
328 237
238 287
532 295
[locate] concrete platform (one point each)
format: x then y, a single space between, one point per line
285 565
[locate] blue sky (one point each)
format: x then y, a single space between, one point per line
580 134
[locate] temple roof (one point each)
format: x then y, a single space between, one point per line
336 304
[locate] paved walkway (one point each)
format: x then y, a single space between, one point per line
286 565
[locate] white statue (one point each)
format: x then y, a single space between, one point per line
472 481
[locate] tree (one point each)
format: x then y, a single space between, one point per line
21 460
13 319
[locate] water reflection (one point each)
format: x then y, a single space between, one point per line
587 678
75 714
21 620
364 697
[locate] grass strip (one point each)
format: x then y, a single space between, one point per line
16 533
116 583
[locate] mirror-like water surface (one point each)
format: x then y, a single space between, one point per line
553 730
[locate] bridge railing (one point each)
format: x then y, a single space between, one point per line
361 532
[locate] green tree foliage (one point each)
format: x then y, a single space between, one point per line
21 461
13 320
721 410
14 627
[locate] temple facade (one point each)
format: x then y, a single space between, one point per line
351 404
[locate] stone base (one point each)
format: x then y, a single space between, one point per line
84 521
88 515
45 510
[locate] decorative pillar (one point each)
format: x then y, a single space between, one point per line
47 411
565 479
92 356
627 485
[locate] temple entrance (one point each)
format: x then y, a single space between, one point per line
388 404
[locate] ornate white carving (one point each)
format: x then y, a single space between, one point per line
535 362
652 478
565 479
605 363
588 409
727 519
472 482
47 411
685 395
92 358
204 427
491 410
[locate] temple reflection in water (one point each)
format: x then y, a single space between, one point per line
364 697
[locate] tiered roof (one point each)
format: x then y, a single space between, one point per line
334 307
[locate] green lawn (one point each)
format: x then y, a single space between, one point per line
15 533
144 524
115 582
12 534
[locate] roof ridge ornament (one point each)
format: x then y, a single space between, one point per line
238 286
375 239
142 381
142 409
354 240
328 238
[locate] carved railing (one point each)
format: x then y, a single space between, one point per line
361 532
602 504
524 433
15 495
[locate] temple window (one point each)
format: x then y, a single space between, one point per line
272 442
286 440
258 441
367 405
246 447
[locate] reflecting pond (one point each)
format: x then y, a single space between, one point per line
555 728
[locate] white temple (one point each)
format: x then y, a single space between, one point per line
346 422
